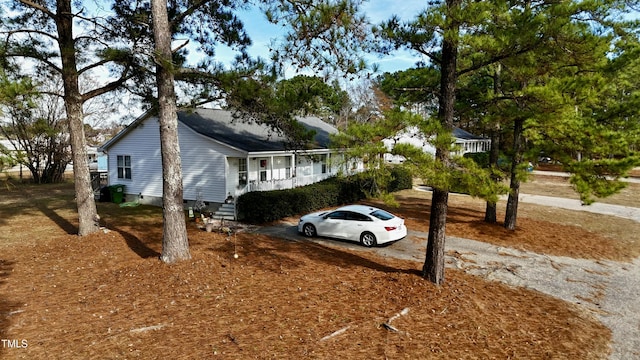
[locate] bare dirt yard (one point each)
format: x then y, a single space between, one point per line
108 296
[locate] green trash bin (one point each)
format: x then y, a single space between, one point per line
117 193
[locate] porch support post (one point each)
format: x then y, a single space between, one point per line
294 170
271 167
226 176
248 185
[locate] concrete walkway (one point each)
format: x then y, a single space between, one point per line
598 208
564 174
626 212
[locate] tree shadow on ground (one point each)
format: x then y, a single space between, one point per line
25 200
63 223
135 224
136 245
274 254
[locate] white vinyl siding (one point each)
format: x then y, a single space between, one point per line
142 145
204 166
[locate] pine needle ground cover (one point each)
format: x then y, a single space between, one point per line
107 295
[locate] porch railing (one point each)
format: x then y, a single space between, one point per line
281 184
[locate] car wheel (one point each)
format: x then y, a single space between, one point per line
309 230
368 239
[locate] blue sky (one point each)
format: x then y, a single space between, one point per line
262 33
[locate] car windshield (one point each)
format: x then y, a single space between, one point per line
382 215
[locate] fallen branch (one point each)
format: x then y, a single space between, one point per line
404 312
147 328
335 333
14 312
387 325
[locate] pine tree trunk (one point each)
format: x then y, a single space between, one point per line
512 202
87 212
512 205
175 244
433 268
490 215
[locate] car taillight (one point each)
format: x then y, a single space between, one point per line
390 228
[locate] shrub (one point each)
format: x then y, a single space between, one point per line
401 179
265 206
481 158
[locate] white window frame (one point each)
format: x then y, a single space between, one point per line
243 173
123 168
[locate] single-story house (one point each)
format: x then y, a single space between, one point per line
465 143
221 156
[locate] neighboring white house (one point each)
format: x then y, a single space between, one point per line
7 145
220 156
465 143
97 160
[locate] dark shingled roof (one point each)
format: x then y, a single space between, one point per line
464 135
248 136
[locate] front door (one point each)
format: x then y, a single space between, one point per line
264 163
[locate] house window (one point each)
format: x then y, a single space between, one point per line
124 166
242 172
263 170
323 163
287 167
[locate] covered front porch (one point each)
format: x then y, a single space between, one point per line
265 172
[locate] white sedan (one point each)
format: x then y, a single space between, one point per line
368 225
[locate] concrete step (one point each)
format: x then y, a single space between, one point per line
224 217
226 211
